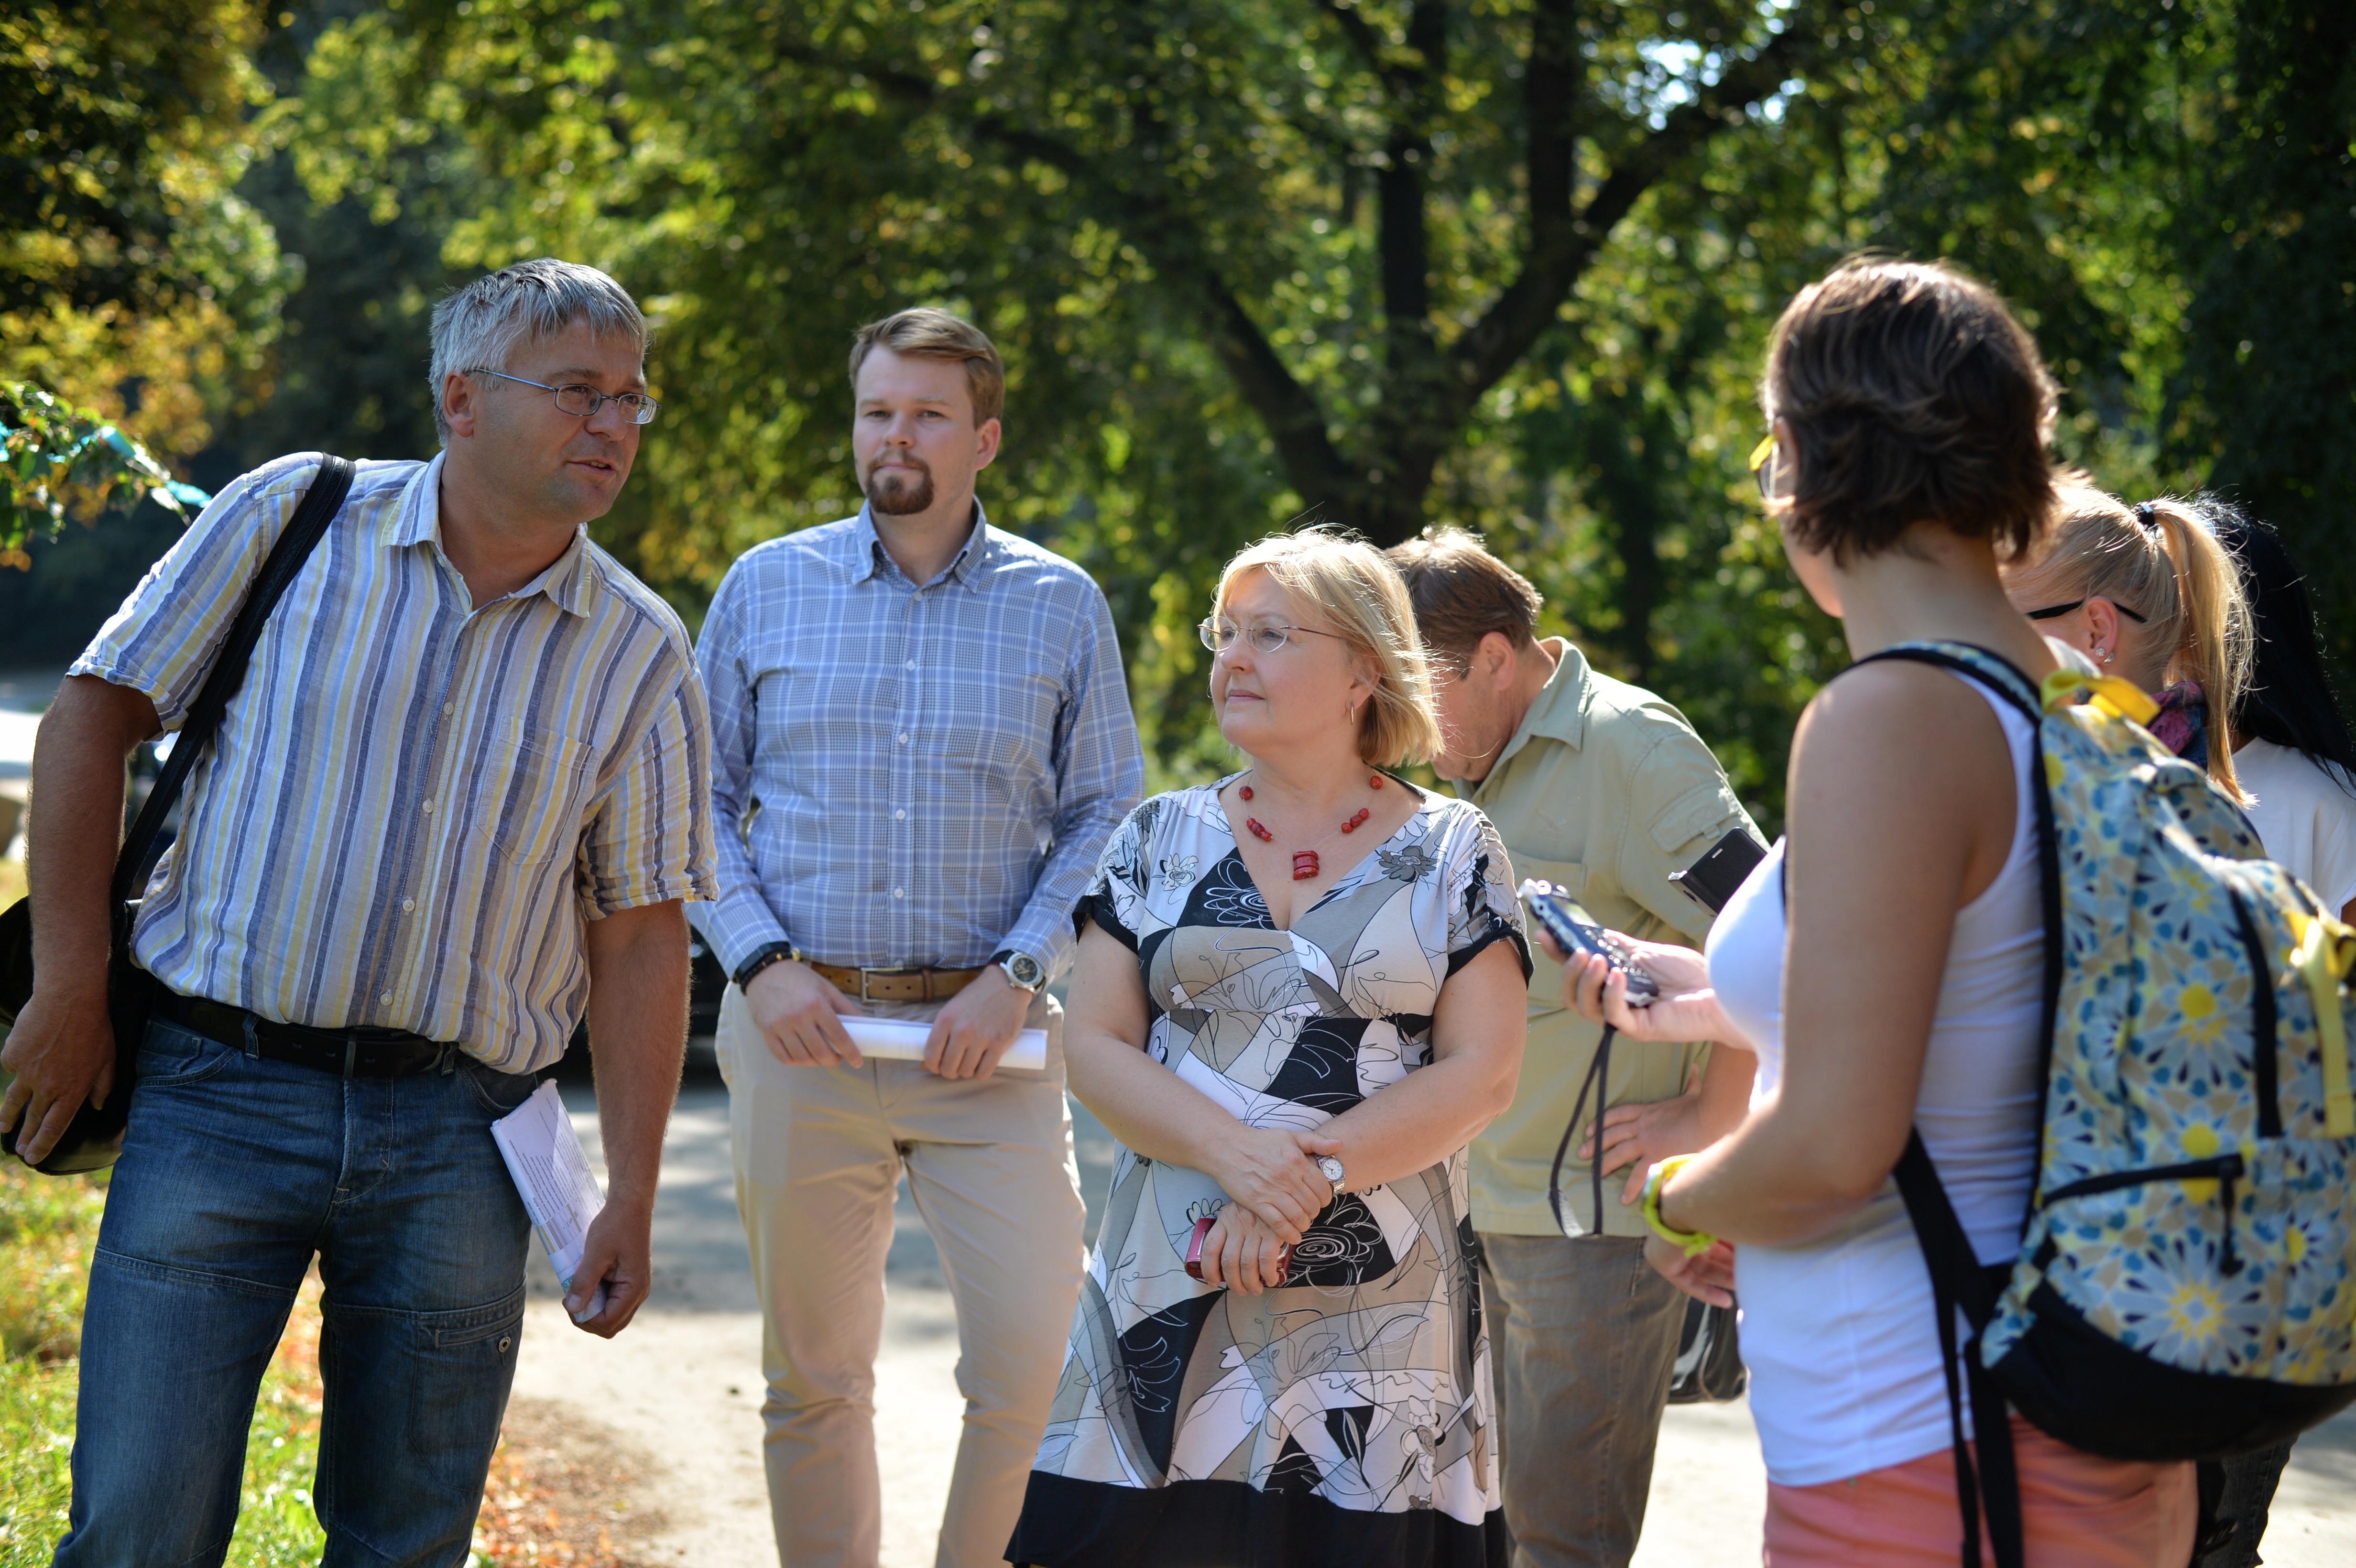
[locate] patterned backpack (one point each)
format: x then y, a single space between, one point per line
2186 1286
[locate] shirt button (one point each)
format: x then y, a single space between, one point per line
903 740
912 663
899 892
899 816
448 708
386 998
408 905
429 806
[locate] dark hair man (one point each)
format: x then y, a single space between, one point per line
923 742
1603 789
461 794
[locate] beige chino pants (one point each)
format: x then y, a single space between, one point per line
819 1152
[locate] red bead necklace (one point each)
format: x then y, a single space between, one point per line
1304 861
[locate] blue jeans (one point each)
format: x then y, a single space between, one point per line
234 1171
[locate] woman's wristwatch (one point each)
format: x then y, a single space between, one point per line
1331 1169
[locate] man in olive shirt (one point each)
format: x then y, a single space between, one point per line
1604 790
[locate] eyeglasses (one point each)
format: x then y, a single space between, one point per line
1767 468
2054 612
582 402
1219 635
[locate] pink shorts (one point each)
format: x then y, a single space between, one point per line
2079 1512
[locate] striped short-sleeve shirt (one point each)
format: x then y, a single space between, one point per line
413 806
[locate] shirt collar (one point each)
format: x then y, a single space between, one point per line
418 520
1558 711
869 558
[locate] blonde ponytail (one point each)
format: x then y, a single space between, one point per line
2212 634
2163 562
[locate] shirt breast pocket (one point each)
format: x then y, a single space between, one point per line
534 784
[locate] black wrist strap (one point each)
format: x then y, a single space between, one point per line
775 953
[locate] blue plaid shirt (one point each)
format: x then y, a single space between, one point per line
907 775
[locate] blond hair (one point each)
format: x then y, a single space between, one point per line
2161 561
926 332
1355 588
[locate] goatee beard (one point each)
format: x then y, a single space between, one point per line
894 497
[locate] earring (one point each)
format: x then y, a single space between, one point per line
2103 655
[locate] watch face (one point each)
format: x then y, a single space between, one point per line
1024 970
1331 1168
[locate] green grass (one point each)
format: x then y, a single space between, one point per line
48 1226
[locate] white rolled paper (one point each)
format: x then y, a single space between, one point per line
894 1041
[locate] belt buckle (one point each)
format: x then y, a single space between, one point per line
866 976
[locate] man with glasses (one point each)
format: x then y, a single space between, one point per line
459 798
1603 789
923 742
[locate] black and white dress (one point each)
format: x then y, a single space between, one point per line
1345 1418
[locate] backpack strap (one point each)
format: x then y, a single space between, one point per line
1958 1282
319 505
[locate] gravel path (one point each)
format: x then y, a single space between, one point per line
683 1382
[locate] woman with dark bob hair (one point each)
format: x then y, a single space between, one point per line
1885 961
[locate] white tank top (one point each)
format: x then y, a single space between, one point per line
1839 1335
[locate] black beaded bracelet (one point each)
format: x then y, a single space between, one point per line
775 953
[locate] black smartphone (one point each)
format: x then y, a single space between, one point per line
1576 930
1712 879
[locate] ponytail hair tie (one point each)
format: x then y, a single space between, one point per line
2143 514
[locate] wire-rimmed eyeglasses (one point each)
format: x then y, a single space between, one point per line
1219 634
584 402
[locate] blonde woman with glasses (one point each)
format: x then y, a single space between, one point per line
1299 993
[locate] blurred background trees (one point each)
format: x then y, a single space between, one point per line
1508 263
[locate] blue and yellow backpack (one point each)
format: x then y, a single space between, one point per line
2186 1286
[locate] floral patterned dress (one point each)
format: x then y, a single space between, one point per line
1345 1418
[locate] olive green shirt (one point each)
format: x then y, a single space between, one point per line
1603 790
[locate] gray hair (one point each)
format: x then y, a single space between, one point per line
482 323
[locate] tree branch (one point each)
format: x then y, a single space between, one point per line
1294 417
1562 246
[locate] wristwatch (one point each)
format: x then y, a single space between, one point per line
1022 971
774 953
1331 1169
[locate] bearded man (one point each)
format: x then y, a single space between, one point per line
922 743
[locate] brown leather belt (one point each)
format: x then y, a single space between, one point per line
896 984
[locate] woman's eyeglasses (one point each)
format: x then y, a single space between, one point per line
2055 611
1219 634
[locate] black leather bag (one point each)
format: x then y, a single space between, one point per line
95 1137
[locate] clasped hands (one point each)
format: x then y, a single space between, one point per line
1276 1193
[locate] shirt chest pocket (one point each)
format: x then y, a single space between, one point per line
532 785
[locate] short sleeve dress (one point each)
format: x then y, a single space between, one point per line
1344 1418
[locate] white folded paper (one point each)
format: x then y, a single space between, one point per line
552 1174
894 1041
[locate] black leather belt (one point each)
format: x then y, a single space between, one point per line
346 1053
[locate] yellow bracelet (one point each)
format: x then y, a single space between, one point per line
1692 1243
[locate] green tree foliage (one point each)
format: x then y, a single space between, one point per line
56 459
131 278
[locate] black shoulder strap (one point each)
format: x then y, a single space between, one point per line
1982 664
320 504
